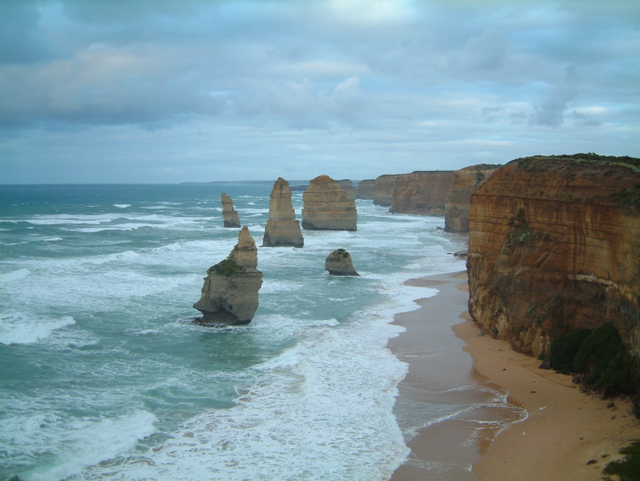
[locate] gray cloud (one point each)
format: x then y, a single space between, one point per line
419 84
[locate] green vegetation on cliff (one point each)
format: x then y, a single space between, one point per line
227 267
599 357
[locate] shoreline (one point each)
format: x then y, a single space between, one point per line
566 435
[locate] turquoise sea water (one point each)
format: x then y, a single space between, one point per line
104 376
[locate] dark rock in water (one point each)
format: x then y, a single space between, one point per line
229 216
339 264
460 254
230 290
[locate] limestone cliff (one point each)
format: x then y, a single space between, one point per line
230 290
327 206
366 189
347 186
554 247
230 217
458 201
421 193
383 190
339 263
282 228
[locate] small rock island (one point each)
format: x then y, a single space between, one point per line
339 263
230 290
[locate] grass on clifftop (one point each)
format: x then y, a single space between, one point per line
227 267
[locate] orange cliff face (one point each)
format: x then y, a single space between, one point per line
555 246
421 192
458 202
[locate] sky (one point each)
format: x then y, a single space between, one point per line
167 91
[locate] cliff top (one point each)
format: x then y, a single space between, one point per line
586 178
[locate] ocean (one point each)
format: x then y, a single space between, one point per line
105 376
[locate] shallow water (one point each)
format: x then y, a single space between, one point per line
104 374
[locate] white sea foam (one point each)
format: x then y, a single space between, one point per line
122 206
13 276
21 328
85 442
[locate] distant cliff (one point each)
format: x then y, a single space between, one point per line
383 190
421 192
366 189
555 247
347 186
458 201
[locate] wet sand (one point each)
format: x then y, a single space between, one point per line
567 435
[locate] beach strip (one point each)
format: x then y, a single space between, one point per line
567 435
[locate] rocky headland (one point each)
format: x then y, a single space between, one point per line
366 189
230 290
327 206
421 193
282 229
458 200
339 263
383 189
230 217
554 263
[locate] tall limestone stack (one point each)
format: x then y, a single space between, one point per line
555 247
458 201
282 230
366 189
347 186
230 290
421 193
229 215
328 207
383 189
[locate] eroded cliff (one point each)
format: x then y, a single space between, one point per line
458 200
554 247
421 193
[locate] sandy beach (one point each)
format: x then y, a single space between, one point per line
564 435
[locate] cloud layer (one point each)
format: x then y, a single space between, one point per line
167 90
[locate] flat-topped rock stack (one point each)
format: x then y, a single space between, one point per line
465 182
230 291
282 230
229 216
347 186
366 189
422 192
383 190
328 207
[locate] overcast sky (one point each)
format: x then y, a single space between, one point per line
164 91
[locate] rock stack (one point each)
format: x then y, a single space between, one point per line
422 193
366 189
383 189
282 228
229 215
328 207
458 202
347 186
339 264
230 290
